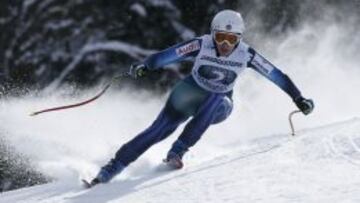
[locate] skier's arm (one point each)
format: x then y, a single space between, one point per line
265 68
173 54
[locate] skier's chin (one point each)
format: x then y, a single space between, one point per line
225 50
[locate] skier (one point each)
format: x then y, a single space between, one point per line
205 96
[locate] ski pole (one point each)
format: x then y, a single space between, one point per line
291 122
83 102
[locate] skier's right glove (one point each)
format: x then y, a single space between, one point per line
305 105
137 70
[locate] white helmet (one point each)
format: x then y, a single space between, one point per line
228 21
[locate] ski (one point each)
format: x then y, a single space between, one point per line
87 184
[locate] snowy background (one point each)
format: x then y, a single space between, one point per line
58 52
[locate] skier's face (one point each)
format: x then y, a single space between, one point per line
224 48
226 42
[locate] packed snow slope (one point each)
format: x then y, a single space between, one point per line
318 165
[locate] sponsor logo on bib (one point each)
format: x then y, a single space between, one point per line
221 62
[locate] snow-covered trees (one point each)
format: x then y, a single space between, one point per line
42 42
51 38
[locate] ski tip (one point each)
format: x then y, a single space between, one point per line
87 184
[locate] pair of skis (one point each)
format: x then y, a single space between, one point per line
173 164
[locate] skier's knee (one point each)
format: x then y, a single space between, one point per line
223 110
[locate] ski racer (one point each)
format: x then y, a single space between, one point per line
205 96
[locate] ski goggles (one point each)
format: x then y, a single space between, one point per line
231 38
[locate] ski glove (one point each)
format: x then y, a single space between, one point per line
305 105
137 70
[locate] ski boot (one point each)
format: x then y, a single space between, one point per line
106 173
175 155
174 161
87 184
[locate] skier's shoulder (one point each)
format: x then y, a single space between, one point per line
243 46
243 50
206 40
197 39
205 37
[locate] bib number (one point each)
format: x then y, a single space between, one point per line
217 75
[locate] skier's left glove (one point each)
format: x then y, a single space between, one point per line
305 105
137 70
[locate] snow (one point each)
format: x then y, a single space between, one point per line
28 3
139 9
184 32
118 46
54 26
163 3
311 167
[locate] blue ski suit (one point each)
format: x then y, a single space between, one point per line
205 96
